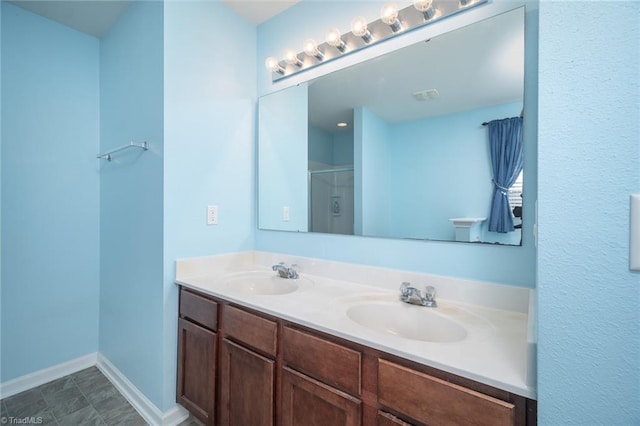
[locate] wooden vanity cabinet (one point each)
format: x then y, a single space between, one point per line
309 402
315 356
275 372
433 401
247 368
197 346
320 381
387 419
247 383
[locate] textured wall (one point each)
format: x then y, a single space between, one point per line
589 162
0 192
50 193
131 188
210 126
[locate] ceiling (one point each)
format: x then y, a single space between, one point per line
90 17
96 17
476 66
258 11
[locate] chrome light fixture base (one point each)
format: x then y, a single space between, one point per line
409 17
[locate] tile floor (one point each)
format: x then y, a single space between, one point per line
83 398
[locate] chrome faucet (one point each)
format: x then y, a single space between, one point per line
409 294
286 272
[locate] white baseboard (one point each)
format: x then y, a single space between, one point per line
175 416
41 377
141 403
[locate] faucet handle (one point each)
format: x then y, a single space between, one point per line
293 271
404 288
429 293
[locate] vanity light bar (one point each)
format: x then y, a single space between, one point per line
363 34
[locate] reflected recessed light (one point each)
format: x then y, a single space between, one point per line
342 124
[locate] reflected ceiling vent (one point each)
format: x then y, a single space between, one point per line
426 95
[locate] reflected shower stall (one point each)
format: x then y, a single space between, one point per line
331 201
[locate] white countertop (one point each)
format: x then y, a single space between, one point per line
494 351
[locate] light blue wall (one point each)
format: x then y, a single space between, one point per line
333 149
50 193
0 192
283 159
509 265
372 182
441 169
589 162
1 198
320 146
343 148
210 122
131 190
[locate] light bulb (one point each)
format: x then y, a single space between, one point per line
311 49
359 28
272 64
389 15
291 58
426 7
334 38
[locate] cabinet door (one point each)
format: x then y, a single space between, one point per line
196 370
308 402
246 387
386 419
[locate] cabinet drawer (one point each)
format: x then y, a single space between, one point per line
252 330
329 362
199 309
434 401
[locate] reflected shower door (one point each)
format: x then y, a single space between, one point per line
331 201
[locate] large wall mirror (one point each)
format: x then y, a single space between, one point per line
395 146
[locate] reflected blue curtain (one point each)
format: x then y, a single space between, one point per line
505 141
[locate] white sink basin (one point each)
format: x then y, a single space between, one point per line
407 321
264 283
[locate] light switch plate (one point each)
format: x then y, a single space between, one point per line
634 238
212 215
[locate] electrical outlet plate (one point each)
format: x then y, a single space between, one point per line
634 237
212 215
285 214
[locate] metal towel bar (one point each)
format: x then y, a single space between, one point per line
107 155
